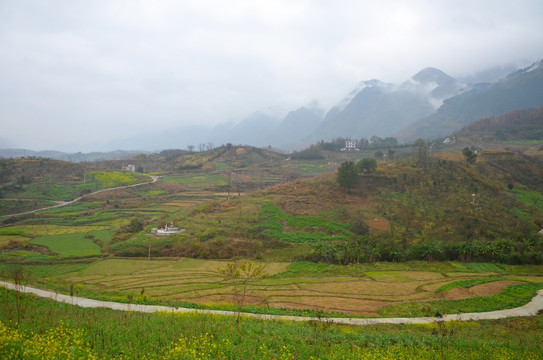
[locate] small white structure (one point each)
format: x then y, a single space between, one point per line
130 167
449 141
167 230
350 145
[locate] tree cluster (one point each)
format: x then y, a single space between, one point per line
364 249
348 173
469 155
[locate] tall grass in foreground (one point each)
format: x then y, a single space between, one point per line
73 332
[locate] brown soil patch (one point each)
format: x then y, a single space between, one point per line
496 151
448 156
182 204
347 306
226 298
487 289
364 288
171 187
379 224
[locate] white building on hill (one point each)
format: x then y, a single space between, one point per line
167 230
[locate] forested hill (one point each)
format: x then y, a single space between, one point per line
516 125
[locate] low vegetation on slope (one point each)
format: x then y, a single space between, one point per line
446 210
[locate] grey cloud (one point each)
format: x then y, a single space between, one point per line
94 71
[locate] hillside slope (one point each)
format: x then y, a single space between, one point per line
516 125
407 212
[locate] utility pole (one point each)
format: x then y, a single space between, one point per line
149 257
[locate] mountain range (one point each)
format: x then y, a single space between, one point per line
429 105
520 90
381 109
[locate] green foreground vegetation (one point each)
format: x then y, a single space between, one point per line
51 330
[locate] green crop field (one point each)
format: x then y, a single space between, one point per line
116 178
68 245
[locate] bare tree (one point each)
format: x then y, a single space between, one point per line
19 276
190 148
239 274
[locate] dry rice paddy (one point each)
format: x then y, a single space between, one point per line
199 281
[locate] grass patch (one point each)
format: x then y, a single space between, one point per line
467 284
104 235
12 231
41 272
529 198
222 166
153 192
275 224
513 296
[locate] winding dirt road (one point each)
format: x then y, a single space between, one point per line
530 309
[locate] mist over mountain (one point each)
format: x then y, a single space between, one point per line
288 134
73 157
489 75
377 108
520 90
252 130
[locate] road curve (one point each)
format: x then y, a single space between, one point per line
64 203
530 309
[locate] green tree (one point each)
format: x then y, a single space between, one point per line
347 176
469 155
391 153
420 151
366 165
136 225
379 155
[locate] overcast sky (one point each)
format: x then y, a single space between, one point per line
80 72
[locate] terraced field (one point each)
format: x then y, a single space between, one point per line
357 293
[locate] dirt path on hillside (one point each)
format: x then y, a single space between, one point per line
530 309
64 203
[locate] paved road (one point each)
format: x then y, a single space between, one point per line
530 309
64 203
